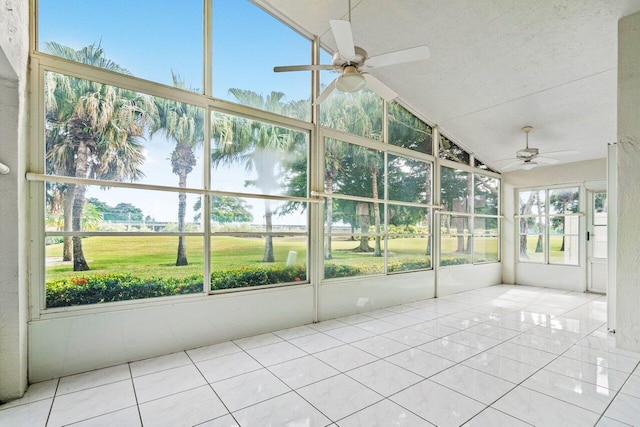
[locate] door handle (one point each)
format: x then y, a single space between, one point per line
588 235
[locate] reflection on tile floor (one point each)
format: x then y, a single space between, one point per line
497 356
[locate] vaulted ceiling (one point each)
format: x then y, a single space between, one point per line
496 65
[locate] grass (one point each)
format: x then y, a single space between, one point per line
556 256
144 256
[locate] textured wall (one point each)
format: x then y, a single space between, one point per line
628 174
14 48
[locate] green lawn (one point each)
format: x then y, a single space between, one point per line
155 255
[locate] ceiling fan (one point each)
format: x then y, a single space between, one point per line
528 158
353 63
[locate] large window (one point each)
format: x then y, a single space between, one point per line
170 165
549 225
469 221
377 211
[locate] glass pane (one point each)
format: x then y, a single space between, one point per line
118 209
238 261
155 42
409 180
564 225
563 250
532 225
600 209
455 190
480 165
451 151
485 239
599 242
254 157
486 194
353 170
409 243
354 241
247 44
455 240
532 248
407 131
564 200
243 254
123 268
94 130
532 202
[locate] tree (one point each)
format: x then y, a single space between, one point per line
184 125
93 131
454 190
225 209
406 130
349 166
260 147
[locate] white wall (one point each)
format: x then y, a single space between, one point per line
628 185
573 278
14 36
72 344
358 295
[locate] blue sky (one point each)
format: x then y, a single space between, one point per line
151 39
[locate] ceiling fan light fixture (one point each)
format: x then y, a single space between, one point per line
529 165
350 81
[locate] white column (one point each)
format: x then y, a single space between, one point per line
628 178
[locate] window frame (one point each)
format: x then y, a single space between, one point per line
471 215
387 149
546 216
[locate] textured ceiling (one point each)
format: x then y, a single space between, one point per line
496 65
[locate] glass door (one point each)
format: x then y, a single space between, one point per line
597 242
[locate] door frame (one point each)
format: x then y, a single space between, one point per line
589 230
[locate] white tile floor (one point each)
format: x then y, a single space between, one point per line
498 356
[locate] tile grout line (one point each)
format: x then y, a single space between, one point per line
616 395
55 393
213 390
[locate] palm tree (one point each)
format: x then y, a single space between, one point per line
358 114
260 147
184 124
93 131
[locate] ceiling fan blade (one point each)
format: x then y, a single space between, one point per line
380 88
512 166
285 68
419 53
560 153
344 38
326 92
546 160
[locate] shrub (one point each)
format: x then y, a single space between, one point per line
116 287
409 264
257 276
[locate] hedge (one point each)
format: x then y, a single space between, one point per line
122 286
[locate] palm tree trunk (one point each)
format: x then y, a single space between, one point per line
377 251
69 194
79 262
362 210
539 248
523 226
327 233
268 244
182 207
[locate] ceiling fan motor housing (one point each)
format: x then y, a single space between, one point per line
340 63
527 153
